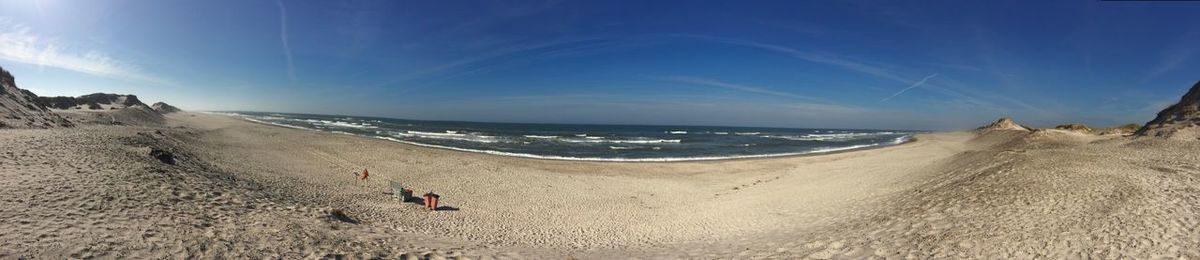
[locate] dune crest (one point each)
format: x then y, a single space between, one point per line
1075 127
1005 123
95 101
164 108
1180 116
107 109
19 109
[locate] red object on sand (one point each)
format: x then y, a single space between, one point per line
365 173
431 201
428 200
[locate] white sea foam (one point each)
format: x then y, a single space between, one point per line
477 137
748 133
449 136
844 148
277 124
721 133
826 137
669 159
620 141
677 132
344 124
656 141
419 133
541 136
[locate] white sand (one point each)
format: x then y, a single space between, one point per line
250 190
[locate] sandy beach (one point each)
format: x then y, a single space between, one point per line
546 129
248 190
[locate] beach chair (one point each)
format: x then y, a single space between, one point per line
399 192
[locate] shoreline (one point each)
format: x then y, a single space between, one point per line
907 139
265 191
595 196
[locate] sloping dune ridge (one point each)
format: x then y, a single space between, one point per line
19 108
238 189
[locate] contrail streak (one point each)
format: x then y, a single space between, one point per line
287 50
918 84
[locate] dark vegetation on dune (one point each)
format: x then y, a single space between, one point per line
19 109
1184 114
164 108
90 101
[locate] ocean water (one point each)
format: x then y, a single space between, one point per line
593 142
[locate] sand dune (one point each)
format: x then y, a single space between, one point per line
1179 120
19 108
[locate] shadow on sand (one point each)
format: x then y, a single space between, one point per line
421 202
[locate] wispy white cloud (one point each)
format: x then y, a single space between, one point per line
1176 55
479 62
18 43
464 33
974 93
655 109
969 93
283 38
858 66
914 85
564 51
733 86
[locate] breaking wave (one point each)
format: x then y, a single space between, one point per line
592 143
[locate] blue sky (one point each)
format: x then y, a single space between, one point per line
856 64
